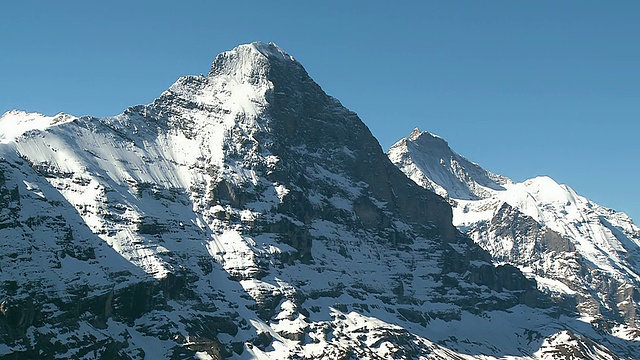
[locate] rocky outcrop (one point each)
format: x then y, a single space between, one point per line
568 345
246 214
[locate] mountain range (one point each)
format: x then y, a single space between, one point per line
247 214
573 247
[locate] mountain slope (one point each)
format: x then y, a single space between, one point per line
247 214
575 248
441 170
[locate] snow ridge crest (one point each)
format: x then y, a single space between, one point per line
15 123
543 227
249 60
429 161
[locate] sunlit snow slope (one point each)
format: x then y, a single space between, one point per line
573 247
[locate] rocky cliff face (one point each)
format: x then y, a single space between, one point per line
574 248
242 214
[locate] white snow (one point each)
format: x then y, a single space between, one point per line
14 123
554 285
607 240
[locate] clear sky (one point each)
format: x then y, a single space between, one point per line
523 88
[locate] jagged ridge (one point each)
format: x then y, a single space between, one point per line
574 247
262 219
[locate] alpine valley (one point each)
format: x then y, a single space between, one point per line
246 214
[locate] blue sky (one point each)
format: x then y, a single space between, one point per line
522 88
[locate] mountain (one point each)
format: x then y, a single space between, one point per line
573 247
428 160
247 214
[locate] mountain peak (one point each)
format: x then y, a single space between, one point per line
270 50
429 161
540 225
251 60
246 214
425 138
415 134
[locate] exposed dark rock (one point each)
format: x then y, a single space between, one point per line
297 207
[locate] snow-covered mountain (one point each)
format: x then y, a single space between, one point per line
246 214
573 247
428 160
